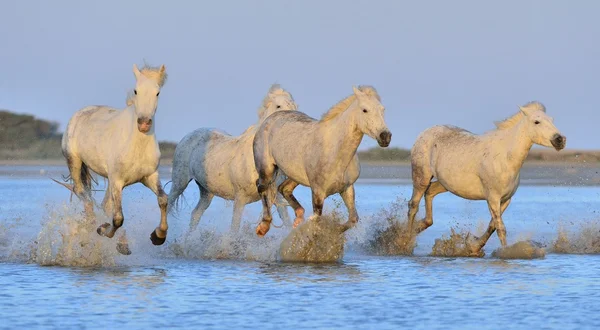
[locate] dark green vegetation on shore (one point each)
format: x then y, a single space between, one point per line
24 137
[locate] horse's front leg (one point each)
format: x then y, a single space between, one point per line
349 198
115 190
318 199
492 227
159 235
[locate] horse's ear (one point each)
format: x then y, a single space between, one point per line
522 110
357 91
136 71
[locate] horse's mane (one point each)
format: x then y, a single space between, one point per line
275 89
344 104
516 118
154 73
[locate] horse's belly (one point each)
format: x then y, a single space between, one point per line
468 187
219 184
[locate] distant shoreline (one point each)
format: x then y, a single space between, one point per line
382 163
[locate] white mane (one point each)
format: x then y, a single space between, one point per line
516 118
344 104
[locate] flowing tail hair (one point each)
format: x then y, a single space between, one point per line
86 178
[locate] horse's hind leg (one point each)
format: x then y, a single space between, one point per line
286 189
434 189
267 191
238 208
158 235
204 202
420 185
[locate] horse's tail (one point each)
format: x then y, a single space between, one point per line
175 199
86 178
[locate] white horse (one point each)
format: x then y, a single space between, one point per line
317 154
119 145
223 165
478 167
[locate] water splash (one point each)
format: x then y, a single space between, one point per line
585 240
14 245
520 250
317 240
391 235
455 245
66 239
211 244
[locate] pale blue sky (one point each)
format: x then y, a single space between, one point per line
465 63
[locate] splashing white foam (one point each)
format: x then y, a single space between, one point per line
67 240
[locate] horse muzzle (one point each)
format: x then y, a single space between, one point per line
384 139
144 124
559 142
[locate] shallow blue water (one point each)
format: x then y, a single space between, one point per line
155 287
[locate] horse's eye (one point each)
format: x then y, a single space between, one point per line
157 93
278 107
365 110
537 122
135 91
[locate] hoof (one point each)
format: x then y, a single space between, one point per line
349 224
157 240
297 222
123 248
103 230
262 228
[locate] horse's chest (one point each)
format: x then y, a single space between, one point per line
133 170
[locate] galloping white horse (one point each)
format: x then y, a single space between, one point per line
478 167
223 165
317 154
119 145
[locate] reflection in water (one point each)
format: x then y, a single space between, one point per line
309 273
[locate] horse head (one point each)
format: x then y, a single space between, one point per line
277 99
147 89
370 117
540 126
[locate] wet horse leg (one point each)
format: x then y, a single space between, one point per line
204 202
318 199
286 188
413 203
348 196
115 190
491 228
265 187
434 189
238 209
158 235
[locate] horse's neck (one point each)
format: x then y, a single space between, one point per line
343 136
517 145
